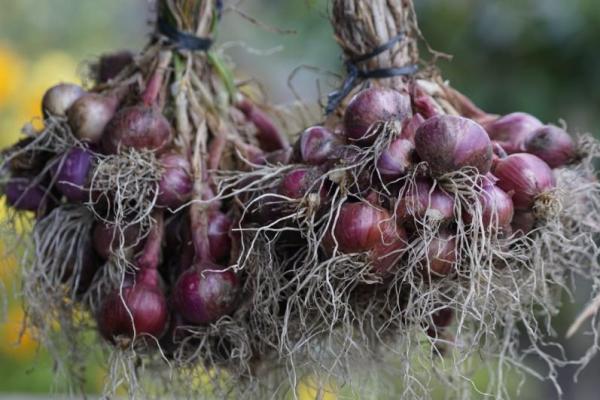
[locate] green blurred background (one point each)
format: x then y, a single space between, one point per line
538 56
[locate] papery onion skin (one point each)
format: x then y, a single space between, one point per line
371 106
524 177
512 130
175 186
423 201
395 161
448 143
523 222
441 256
552 144
497 208
139 127
90 114
205 293
71 174
142 303
106 239
59 98
299 183
219 230
410 126
316 145
23 194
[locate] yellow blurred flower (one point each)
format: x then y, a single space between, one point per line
15 342
309 389
11 73
8 263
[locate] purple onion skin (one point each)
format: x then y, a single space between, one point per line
524 177
219 230
144 302
90 114
59 98
110 65
205 293
298 183
441 255
139 127
552 144
371 106
424 201
316 144
395 161
410 126
497 207
448 143
71 174
106 240
175 186
523 222
23 194
512 130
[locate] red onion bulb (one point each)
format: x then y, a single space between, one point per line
440 255
23 194
205 293
523 222
512 130
423 201
219 230
316 145
106 239
141 309
175 186
448 143
524 177
139 127
552 144
71 173
496 206
371 106
395 161
298 183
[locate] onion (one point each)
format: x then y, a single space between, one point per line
219 229
512 130
410 126
58 99
298 183
107 239
141 309
440 319
524 177
175 186
523 222
139 127
316 144
395 161
23 193
424 202
110 65
268 135
496 206
448 143
71 173
440 255
362 227
552 144
372 106
89 115
89 264
205 293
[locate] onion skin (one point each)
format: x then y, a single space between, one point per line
496 206
410 126
423 201
395 161
23 194
316 145
512 130
89 115
298 183
552 144
106 239
175 186
448 143
139 127
441 256
205 293
524 177
58 99
142 303
523 222
110 65
268 135
371 106
219 229
71 174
